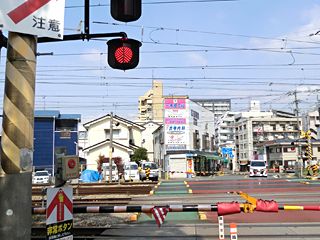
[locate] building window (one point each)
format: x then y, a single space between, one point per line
65 134
83 135
278 150
195 121
66 125
285 149
115 133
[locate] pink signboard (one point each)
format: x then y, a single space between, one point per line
175 121
174 103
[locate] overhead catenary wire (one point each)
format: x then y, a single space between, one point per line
209 32
156 3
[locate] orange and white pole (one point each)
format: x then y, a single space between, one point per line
233 231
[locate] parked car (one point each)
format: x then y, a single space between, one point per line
131 171
258 168
154 171
115 174
41 177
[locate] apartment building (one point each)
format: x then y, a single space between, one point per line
284 153
224 129
254 127
313 122
151 103
217 106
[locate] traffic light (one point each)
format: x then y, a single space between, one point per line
123 53
126 10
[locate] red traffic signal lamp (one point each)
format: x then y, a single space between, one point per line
123 53
125 10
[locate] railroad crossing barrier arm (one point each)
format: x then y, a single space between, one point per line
226 208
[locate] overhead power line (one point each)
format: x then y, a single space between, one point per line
157 2
284 40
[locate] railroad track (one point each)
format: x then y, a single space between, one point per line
102 188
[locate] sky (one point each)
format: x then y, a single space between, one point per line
243 50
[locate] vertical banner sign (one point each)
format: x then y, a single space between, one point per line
59 213
35 17
175 115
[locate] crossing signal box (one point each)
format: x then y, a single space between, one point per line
126 10
70 167
123 53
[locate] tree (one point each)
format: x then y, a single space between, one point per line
100 161
139 154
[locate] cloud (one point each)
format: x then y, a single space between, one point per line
94 56
303 33
197 59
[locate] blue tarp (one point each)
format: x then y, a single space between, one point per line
90 176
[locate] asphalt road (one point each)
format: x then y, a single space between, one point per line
211 190
284 189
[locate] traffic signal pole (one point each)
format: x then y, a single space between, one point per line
17 137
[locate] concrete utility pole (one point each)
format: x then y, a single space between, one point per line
17 137
299 158
111 146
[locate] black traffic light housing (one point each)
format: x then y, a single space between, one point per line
125 10
123 53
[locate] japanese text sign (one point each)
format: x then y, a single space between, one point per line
36 17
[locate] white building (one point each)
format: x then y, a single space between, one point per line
313 122
147 137
255 127
217 106
224 137
127 136
225 129
185 142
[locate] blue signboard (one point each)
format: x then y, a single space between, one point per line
227 151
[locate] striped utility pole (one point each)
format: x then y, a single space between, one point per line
17 137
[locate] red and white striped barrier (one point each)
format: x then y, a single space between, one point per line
225 208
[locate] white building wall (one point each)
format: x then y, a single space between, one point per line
147 138
97 133
205 123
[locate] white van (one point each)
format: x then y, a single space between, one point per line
258 168
115 175
131 171
41 177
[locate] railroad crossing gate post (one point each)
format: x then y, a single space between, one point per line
15 214
17 137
